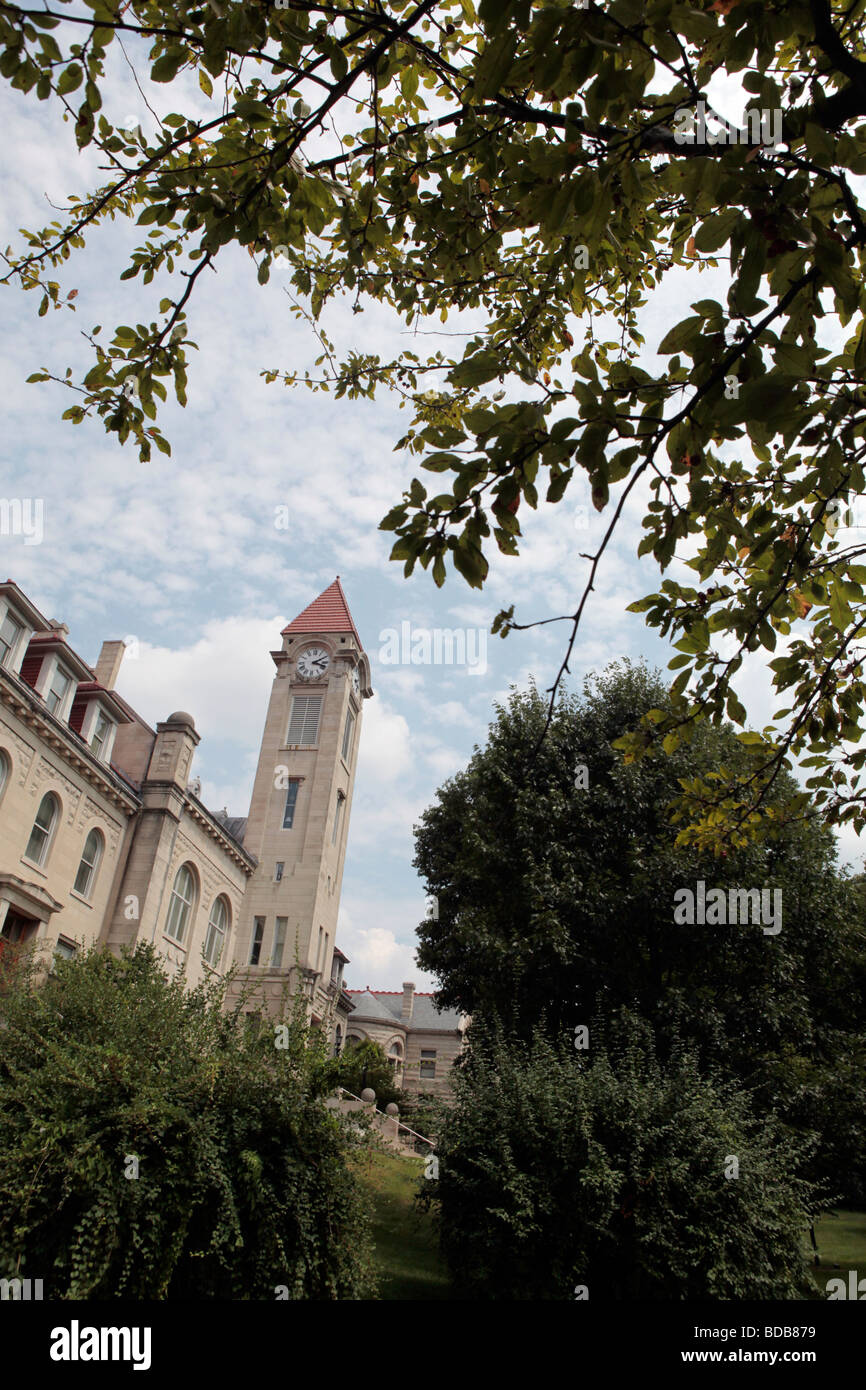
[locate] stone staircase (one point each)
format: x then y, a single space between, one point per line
397 1137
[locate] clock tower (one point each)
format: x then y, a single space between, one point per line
299 814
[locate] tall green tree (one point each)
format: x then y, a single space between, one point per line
556 869
546 165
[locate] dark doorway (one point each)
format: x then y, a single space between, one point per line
17 928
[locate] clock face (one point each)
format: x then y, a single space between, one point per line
313 663
356 682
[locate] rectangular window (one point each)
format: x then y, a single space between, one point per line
304 721
347 736
278 870
57 690
279 942
100 734
10 631
291 802
338 817
64 949
428 1064
258 938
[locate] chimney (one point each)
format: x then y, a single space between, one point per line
408 1001
108 665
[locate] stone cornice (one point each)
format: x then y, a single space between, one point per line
203 817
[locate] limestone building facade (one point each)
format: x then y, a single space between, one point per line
104 836
421 1041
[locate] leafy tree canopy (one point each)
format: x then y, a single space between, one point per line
542 165
556 870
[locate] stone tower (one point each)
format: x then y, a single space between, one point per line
299 814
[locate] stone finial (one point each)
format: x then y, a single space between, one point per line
176 740
368 1095
392 1109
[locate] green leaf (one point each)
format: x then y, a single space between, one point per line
495 64
716 230
684 333
475 370
409 82
166 68
70 79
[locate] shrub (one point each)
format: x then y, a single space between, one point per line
559 1169
244 1183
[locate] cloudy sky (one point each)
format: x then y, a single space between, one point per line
185 556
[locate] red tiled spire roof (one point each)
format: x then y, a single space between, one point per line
327 613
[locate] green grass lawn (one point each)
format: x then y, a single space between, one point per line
406 1256
841 1237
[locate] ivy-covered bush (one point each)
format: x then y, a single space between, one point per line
154 1146
602 1174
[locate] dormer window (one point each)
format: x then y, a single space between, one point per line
10 634
96 715
99 737
55 697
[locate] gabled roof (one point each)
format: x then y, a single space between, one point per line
369 1006
54 641
29 612
387 1005
327 613
426 1015
85 690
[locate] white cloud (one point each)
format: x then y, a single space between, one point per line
385 752
222 679
378 958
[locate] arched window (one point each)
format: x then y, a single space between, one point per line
338 1040
395 1057
5 769
180 907
43 829
216 931
90 858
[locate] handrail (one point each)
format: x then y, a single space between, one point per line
400 1125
